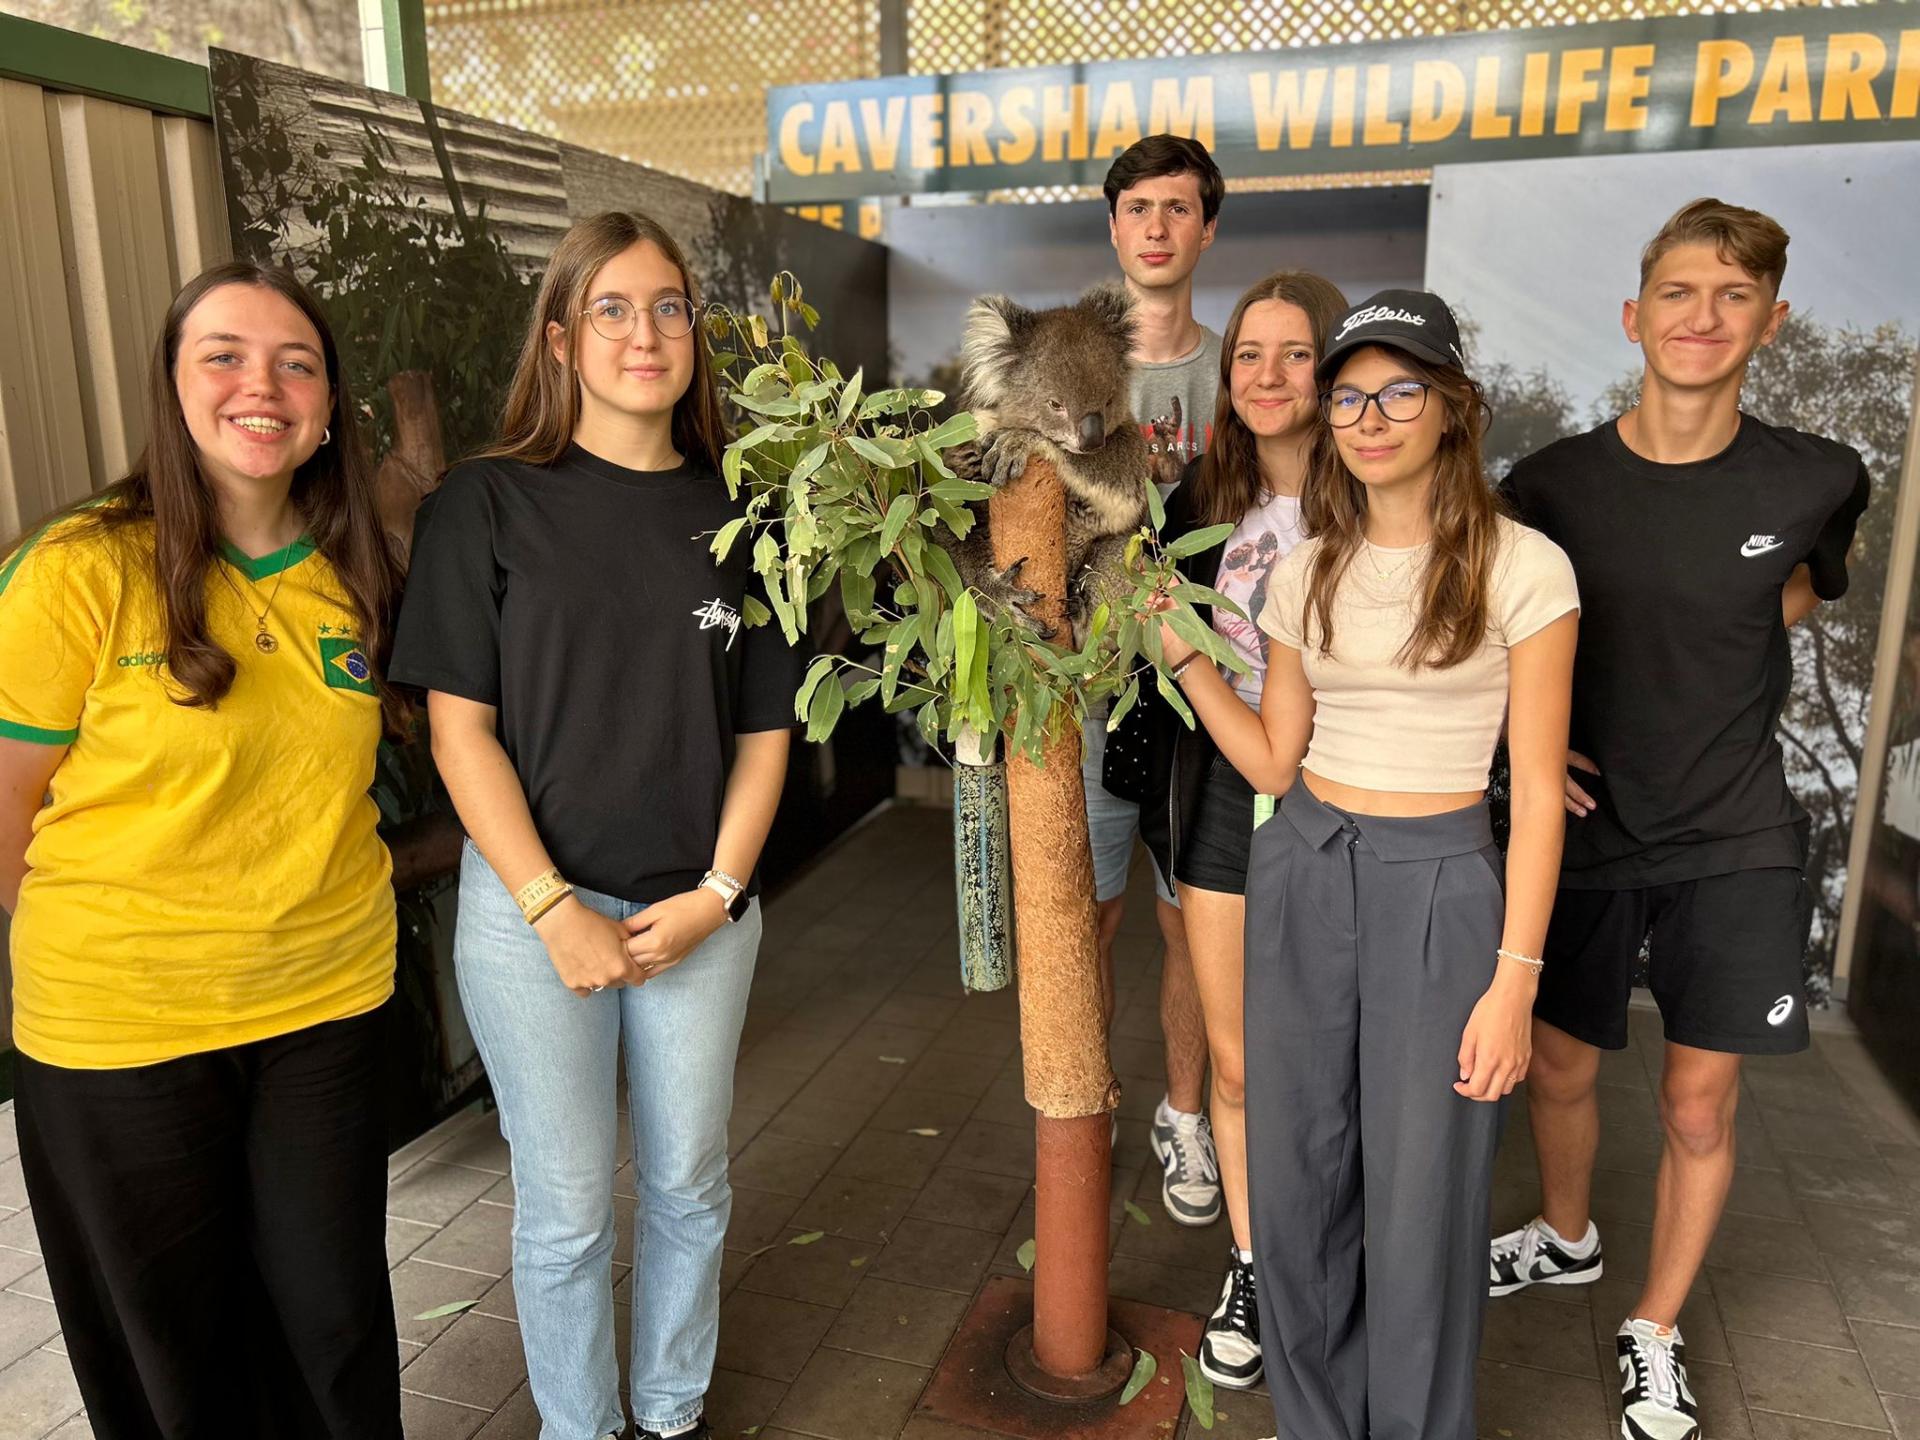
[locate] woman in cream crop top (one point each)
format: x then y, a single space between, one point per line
1380 724
1391 951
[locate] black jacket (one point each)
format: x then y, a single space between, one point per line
1153 741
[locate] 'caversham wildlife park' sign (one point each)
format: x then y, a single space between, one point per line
1780 78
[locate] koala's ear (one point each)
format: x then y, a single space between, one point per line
1112 306
996 329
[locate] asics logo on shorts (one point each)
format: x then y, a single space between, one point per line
1782 1008
1760 545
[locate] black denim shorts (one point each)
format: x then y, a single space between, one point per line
1213 851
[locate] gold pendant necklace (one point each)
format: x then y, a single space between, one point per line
263 640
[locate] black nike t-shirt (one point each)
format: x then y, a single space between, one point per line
1683 664
583 601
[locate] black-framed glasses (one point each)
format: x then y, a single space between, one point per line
613 318
1403 400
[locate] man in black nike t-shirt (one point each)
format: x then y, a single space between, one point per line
1698 535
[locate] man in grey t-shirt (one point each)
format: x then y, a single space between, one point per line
1163 199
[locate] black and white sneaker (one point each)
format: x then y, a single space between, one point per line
1230 1348
700 1431
1656 1403
1190 1169
1533 1255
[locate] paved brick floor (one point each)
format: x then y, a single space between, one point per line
1806 1325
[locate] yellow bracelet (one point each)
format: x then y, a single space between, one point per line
541 907
538 889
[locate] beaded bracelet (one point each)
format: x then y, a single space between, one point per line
1531 962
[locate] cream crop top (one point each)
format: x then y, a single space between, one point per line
1382 725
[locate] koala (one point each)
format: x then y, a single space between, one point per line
1054 384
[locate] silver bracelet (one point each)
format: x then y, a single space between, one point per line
1532 963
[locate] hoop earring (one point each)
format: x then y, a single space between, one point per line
326 436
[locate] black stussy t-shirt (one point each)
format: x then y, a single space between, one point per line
582 600
1683 664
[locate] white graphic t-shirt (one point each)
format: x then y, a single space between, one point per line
1265 534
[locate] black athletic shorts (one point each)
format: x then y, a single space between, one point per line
1213 852
1726 961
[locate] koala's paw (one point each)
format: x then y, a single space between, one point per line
1004 455
1003 590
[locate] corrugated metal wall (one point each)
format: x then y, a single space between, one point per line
105 210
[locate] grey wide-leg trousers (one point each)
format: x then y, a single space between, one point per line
1368 942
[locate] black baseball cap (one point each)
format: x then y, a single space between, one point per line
1411 320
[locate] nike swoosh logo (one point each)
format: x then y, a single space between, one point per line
1750 549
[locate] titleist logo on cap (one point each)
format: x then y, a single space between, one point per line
1378 314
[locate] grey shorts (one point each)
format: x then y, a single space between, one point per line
1112 824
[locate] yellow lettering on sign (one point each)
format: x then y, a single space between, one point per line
1182 108
968 120
1379 129
1578 85
1286 106
839 150
923 130
883 129
1016 118
793 157
1119 121
1439 100
1063 123
1346 84
1846 84
873 222
1627 86
1533 93
1488 122
1721 70
1785 84
1906 78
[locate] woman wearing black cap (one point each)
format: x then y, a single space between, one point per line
1389 981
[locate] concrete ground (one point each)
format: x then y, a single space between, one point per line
1805 1326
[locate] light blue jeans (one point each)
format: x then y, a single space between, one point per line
551 1055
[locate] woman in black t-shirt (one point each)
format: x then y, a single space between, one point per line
615 742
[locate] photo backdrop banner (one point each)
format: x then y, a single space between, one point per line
1537 257
1709 82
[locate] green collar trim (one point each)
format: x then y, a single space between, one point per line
266 566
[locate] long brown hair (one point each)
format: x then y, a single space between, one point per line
166 490
543 403
1227 484
1463 518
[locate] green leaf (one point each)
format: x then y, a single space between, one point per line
729 532
856 594
754 612
1170 692
1203 595
1145 1367
760 434
810 462
1156 507
850 396
760 406
898 514
862 690
956 431
960 492
824 713
1199 1391
1194 541
1025 1255
816 671
940 566
872 451
932 457
808 1238
440 1312
730 465
1137 1215
1129 697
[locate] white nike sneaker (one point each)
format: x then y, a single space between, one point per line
1656 1401
1190 1168
1230 1346
1532 1255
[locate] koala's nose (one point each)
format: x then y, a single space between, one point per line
1093 430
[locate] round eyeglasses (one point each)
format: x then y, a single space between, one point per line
1403 400
613 318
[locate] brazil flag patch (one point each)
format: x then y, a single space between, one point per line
344 662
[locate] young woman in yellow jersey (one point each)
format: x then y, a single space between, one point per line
203 925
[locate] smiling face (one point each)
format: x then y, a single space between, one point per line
1700 317
1158 232
643 375
252 384
1385 453
1270 377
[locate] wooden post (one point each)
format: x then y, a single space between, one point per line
1069 1078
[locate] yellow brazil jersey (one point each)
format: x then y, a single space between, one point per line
200 878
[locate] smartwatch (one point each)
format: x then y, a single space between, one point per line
732 893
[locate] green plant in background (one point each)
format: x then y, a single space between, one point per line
849 488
